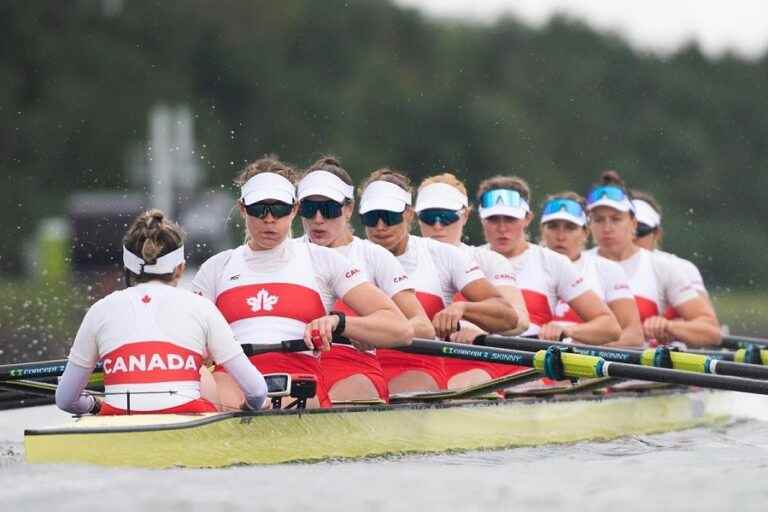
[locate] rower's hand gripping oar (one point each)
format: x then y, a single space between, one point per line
558 365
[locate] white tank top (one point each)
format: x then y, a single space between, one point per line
152 337
546 277
691 271
496 268
269 296
437 271
604 277
656 282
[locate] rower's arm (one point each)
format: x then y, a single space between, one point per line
626 313
381 323
487 308
409 304
69 392
599 327
698 325
514 297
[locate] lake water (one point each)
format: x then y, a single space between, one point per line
716 468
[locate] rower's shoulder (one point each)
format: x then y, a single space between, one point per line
442 250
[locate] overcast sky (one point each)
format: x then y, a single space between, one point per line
740 26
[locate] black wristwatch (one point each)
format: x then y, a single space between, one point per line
96 407
342 325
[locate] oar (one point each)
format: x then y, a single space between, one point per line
736 342
556 364
55 368
686 361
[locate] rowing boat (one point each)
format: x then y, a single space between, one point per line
280 436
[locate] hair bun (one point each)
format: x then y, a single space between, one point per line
611 177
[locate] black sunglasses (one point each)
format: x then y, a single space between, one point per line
644 230
389 218
432 216
329 209
260 210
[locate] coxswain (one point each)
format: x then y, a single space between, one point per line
443 209
544 276
655 280
437 271
326 205
275 288
564 229
152 337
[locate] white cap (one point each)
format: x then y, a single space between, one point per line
163 265
518 212
564 215
383 195
440 195
625 205
645 213
326 184
267 185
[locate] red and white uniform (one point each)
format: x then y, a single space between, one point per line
382 269
656 282
545 278
437 272
153 338
604 277
267 296
500 272
691 271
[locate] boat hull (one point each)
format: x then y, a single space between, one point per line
224 439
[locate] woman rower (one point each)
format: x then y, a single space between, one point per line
153 337
275 288
649 235
443 208
544 276
655 281
438 271
326 205
564 230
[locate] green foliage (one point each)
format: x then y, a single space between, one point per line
381 85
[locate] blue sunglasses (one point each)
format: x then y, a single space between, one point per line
444 216
612 192
503 196
559 204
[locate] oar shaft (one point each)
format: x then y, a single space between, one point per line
471 352
628 371
580 365
55 368
701 362
607 353
736 342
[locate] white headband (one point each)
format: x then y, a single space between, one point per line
327 184
383 195
267 185
645 213
163 265
440 195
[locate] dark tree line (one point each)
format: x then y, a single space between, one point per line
381 85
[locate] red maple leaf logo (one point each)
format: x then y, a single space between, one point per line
145 299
